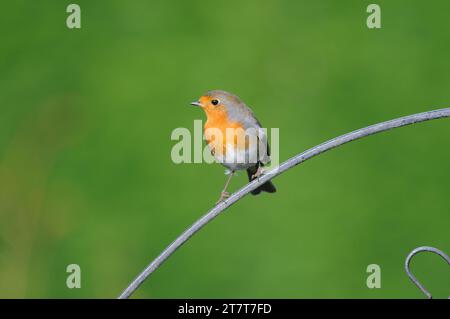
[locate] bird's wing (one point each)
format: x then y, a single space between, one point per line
250 121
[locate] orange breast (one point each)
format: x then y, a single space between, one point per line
217 135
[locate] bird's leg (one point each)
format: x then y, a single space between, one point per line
224 193
258 173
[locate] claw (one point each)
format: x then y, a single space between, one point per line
223 196
259 172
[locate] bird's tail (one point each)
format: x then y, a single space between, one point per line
266 187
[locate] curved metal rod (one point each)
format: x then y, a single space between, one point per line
408 261
290 163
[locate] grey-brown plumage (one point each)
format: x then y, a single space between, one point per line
223 107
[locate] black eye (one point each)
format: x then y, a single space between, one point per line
215 102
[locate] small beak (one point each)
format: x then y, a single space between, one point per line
196 104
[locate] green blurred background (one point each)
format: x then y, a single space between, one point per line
86 175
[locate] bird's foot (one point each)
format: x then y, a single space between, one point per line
259 172
223 196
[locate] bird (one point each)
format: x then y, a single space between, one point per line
235 138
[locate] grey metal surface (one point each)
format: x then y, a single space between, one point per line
290 163
408 262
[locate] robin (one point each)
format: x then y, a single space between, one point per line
235 137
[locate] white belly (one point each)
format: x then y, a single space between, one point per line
237 158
